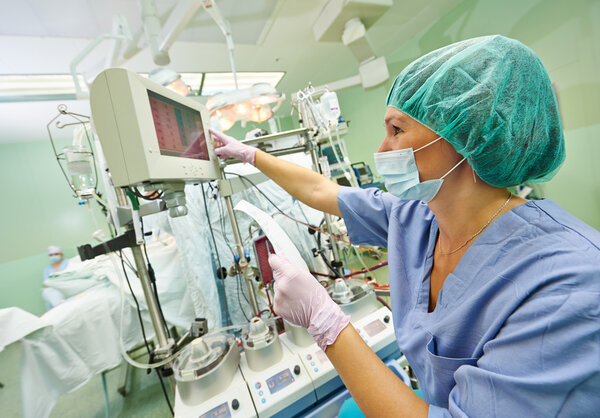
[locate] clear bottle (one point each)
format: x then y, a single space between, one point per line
80 166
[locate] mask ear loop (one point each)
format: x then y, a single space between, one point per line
453 168
426 145
474 178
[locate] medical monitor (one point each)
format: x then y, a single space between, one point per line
148 133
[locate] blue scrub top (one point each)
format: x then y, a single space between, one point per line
50 270
516 329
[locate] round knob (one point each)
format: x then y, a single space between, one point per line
296 369
386 319
235 404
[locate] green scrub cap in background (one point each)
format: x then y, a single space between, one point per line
491 98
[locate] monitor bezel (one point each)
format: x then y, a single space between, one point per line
123 120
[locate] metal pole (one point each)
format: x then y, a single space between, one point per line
240 250
159 327
144 276
328 221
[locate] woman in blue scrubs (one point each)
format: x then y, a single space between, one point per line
495 299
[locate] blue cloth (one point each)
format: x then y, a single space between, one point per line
50 270
516 329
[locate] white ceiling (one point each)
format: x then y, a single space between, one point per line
88 19
43 37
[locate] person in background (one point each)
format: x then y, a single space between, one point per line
51 296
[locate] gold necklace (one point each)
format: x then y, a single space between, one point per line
476 233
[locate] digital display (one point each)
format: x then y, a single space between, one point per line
374 328
178 128
221 411
330 152
279 381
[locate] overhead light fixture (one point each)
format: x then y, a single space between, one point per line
37 87
255 103
34 87
215 83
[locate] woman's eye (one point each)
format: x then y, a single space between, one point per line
396 130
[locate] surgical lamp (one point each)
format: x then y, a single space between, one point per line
170 79
248 104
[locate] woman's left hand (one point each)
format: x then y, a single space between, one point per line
301 300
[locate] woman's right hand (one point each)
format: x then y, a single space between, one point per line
229 147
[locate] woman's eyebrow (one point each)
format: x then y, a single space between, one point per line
398 118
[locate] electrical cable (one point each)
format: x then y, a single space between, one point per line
164 390
378 266
238 297
220 266
241 280
286 215
383 302
294 219
137 193
122 347
323 256
244 178
354 273
222 224
139 312
360 257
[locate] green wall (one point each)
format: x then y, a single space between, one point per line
565 34
38 209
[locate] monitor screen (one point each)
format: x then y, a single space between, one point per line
178 128
328 152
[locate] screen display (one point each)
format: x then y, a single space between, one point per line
374 328
221 411
330 152
280 380
178 128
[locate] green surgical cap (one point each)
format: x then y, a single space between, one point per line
491 98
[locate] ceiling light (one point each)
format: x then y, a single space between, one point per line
21 86
246 104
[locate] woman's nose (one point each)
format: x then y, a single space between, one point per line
385 146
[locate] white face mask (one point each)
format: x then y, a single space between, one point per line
399 171
55 258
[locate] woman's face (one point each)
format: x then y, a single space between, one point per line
404 132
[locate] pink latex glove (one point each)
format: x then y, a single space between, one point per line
229 147
301 300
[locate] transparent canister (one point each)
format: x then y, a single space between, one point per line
80 164
261 343
355 297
